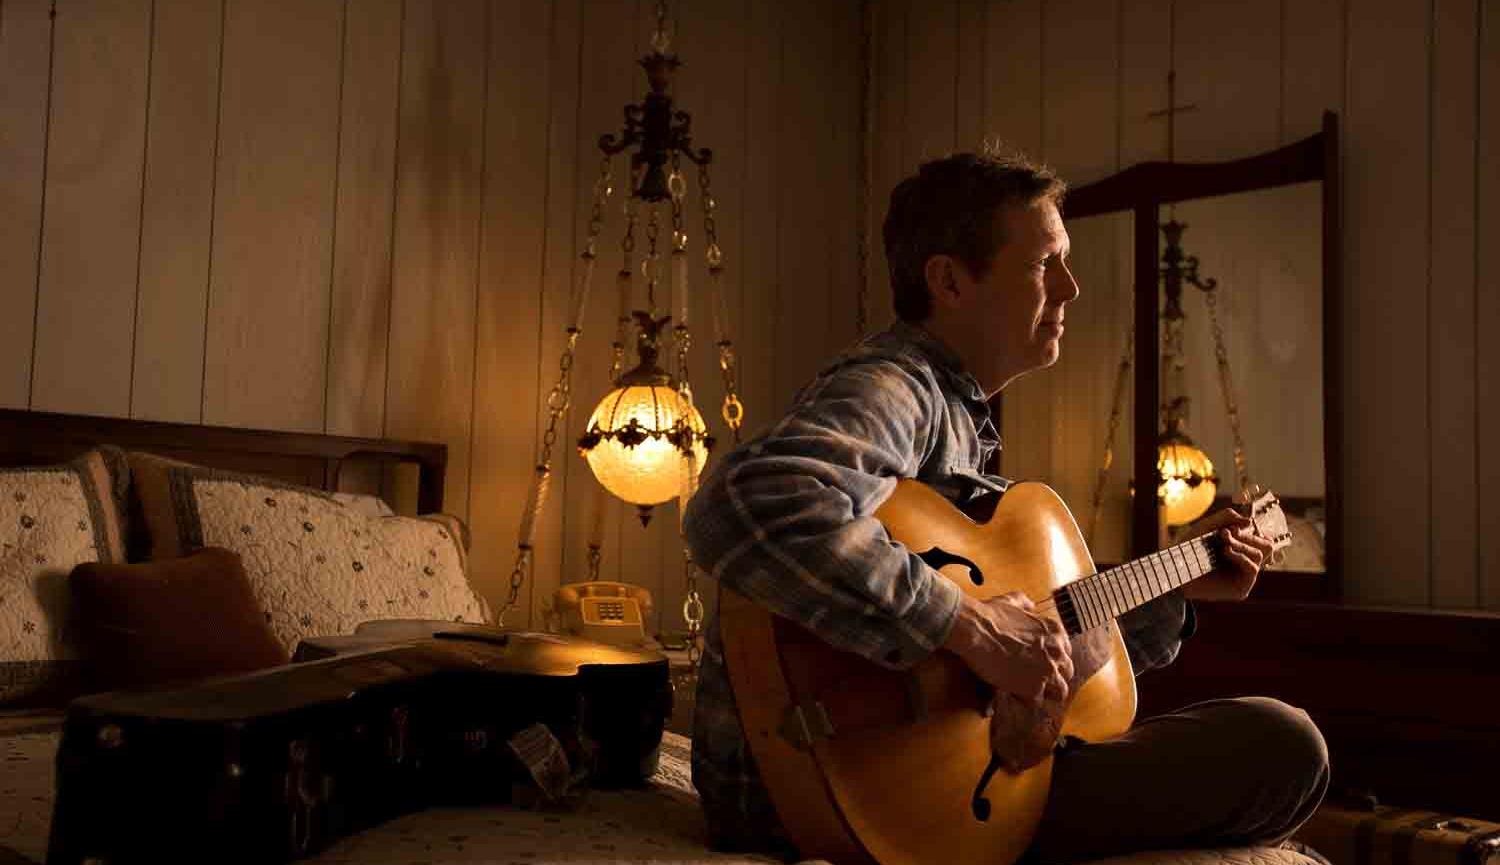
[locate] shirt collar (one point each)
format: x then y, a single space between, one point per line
943 358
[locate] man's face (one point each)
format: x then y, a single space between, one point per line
1018 305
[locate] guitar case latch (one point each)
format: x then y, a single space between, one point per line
801 725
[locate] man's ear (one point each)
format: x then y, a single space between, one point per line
942 281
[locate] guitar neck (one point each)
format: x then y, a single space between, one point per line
1091 601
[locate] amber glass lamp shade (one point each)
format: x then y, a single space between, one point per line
637 456
1188 481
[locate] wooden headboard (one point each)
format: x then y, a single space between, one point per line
309 459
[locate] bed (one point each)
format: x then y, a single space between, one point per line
659 823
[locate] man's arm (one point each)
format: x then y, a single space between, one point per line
788 520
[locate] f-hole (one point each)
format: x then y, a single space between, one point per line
938 558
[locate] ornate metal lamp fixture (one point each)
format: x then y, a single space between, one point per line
1188 481
646 441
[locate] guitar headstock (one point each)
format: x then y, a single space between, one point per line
1264 510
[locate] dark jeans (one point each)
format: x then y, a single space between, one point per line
1223 773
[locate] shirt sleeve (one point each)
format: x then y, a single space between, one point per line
1154 632
787 520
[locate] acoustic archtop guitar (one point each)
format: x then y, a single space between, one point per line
870 765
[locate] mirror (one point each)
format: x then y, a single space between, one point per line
1263 251
1266 229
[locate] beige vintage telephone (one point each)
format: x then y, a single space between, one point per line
606 612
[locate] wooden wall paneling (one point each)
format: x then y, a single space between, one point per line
804 198
842 104
25 56
1145 58
1386 169
1312 65
1451 336
1012 106
887 151
1487 300
560 247
1085 144
1084 376
360 303
969 97
90 249
1226 52
269 274
509 370
932 48
609 78
760 252
440 161
1012 89
1079 134
182 126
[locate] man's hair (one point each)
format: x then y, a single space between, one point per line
948 208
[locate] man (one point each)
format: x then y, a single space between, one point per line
979 269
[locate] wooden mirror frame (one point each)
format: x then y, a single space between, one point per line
1142 190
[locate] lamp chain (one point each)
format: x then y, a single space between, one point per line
1117 405
558 400
651 264
733 410
692 605
624 321
1226 386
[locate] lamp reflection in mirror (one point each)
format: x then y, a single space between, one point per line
1188 482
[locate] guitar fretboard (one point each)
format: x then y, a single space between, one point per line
1094 600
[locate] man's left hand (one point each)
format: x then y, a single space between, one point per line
1241 554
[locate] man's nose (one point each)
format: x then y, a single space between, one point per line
1064 287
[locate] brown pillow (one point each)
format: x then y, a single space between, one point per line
169 620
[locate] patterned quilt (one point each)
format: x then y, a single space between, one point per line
658 825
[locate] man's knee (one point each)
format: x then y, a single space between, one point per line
1286 736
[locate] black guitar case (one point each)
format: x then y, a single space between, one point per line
276 765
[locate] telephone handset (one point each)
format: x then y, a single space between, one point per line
606 612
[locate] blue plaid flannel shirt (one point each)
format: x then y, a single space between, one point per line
787 521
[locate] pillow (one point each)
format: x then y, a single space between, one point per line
51 519
169 620
315 566
365 504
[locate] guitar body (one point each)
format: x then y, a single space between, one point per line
869 765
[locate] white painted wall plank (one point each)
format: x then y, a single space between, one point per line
1312 65
1487 300
971 57
436 256
360 304
760 259
91 226
887 152
506 388
1228 55
559 252
273 215
932 78
177 212
1452 337
25 51
1385 313
803 200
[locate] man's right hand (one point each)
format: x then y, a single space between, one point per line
1012 648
